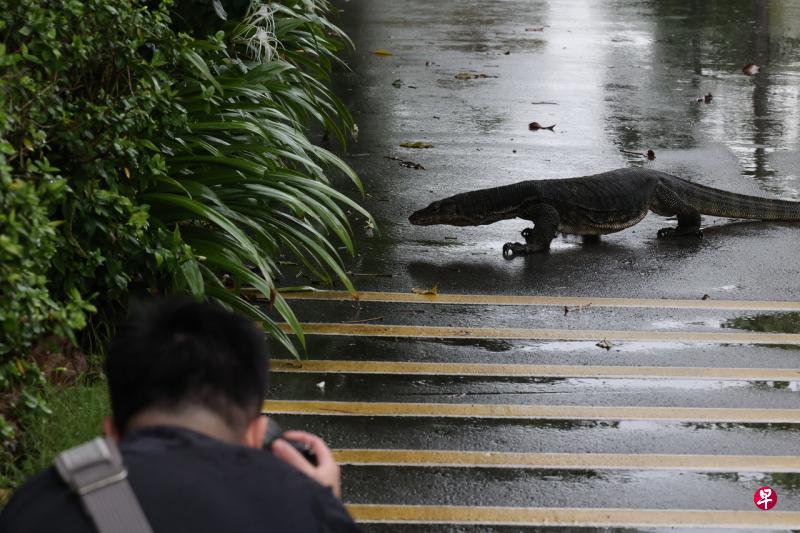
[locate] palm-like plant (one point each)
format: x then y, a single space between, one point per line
245 184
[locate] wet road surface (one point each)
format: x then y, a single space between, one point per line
696 406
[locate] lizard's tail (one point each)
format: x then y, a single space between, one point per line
719 203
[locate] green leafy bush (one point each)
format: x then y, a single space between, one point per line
78 103
245 184
138 159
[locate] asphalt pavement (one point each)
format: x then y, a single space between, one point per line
667 407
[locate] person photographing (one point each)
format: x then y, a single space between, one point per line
186 382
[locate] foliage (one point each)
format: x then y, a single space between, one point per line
77 417
79 101
245 183
138 159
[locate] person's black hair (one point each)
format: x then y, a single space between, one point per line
175 353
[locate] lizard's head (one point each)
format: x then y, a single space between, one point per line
445 211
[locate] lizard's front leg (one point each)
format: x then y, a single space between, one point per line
510 249
537 239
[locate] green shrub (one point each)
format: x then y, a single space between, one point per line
245 183
136 159
78 104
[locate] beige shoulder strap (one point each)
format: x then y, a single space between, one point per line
94 471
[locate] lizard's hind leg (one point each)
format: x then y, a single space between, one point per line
669 203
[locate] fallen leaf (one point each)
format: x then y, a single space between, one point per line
707 98
649 155
604 344
472 76
541 28
416 144
533 126
433 291
404 163
576 308
751 69
706 297
321 386
397 83
381 52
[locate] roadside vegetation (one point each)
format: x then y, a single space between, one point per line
148 148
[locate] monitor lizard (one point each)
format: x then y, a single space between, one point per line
599 204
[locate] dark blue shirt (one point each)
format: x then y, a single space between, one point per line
188 482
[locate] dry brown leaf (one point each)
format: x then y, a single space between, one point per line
751 69
381 52
433 291
533 126
583 307
604 344
472 76
416 144
404 163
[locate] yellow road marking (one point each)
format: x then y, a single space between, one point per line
375 330
574 517
510 370
560 412
569 301
592 461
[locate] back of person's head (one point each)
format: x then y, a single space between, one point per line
177 354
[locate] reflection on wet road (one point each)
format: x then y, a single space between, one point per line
570 423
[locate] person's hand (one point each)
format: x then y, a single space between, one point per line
327 472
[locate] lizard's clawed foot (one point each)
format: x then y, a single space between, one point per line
664 233
510 249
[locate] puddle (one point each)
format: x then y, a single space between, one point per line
766 323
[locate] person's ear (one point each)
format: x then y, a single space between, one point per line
110 429
254 434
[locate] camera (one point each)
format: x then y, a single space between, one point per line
274 431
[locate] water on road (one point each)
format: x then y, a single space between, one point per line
659 409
